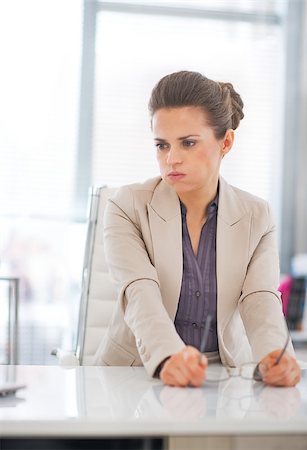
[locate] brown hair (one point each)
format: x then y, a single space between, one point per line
220 101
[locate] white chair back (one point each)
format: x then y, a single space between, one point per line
9 320
98 293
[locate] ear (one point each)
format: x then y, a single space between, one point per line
227 141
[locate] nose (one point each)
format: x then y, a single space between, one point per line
174 156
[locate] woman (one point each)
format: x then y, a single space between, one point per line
187 245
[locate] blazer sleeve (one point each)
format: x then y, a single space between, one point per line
137 282
260 304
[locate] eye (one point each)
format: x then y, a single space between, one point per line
162 146
188 143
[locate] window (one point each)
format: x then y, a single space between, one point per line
40 242
134 50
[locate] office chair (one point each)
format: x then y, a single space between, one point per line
11 346
98 294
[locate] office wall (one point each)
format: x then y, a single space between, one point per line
293 182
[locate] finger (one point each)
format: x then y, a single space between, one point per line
266 364
181 374
168 378
278 371
198 380
288 380
273 356
193 359
176 371
277 378
196 364
175 377
286 375
184 368
196 372
292 379
269 362
203 361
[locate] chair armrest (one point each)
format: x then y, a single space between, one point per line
65 357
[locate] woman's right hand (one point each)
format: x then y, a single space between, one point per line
185 368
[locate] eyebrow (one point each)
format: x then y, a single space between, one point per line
180 138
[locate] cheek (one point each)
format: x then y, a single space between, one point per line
160 161
202 160
160 158
209 157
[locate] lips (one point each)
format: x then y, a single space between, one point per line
175 176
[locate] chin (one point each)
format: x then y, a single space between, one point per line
181 189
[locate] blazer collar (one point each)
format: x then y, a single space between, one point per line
165 201
230 209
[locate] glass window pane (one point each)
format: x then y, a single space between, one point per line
40 47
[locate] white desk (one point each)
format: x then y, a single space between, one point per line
101 402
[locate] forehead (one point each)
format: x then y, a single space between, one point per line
185 120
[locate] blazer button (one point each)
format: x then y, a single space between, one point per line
146 357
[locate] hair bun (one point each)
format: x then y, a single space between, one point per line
236 103
221 104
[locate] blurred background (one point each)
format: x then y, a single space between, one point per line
75 80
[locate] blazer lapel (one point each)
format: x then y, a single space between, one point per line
165 224
232 243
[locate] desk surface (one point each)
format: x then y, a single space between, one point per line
124 401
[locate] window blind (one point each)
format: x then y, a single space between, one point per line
133 51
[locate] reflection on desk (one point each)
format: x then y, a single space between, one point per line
124 401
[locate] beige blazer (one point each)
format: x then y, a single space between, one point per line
143 247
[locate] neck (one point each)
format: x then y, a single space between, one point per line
197 202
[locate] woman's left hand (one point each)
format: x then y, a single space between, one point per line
286 373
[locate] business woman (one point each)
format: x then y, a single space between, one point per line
187 245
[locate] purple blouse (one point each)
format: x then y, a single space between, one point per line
198 294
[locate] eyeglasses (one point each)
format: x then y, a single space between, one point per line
249 371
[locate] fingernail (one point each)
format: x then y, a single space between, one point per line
203 359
